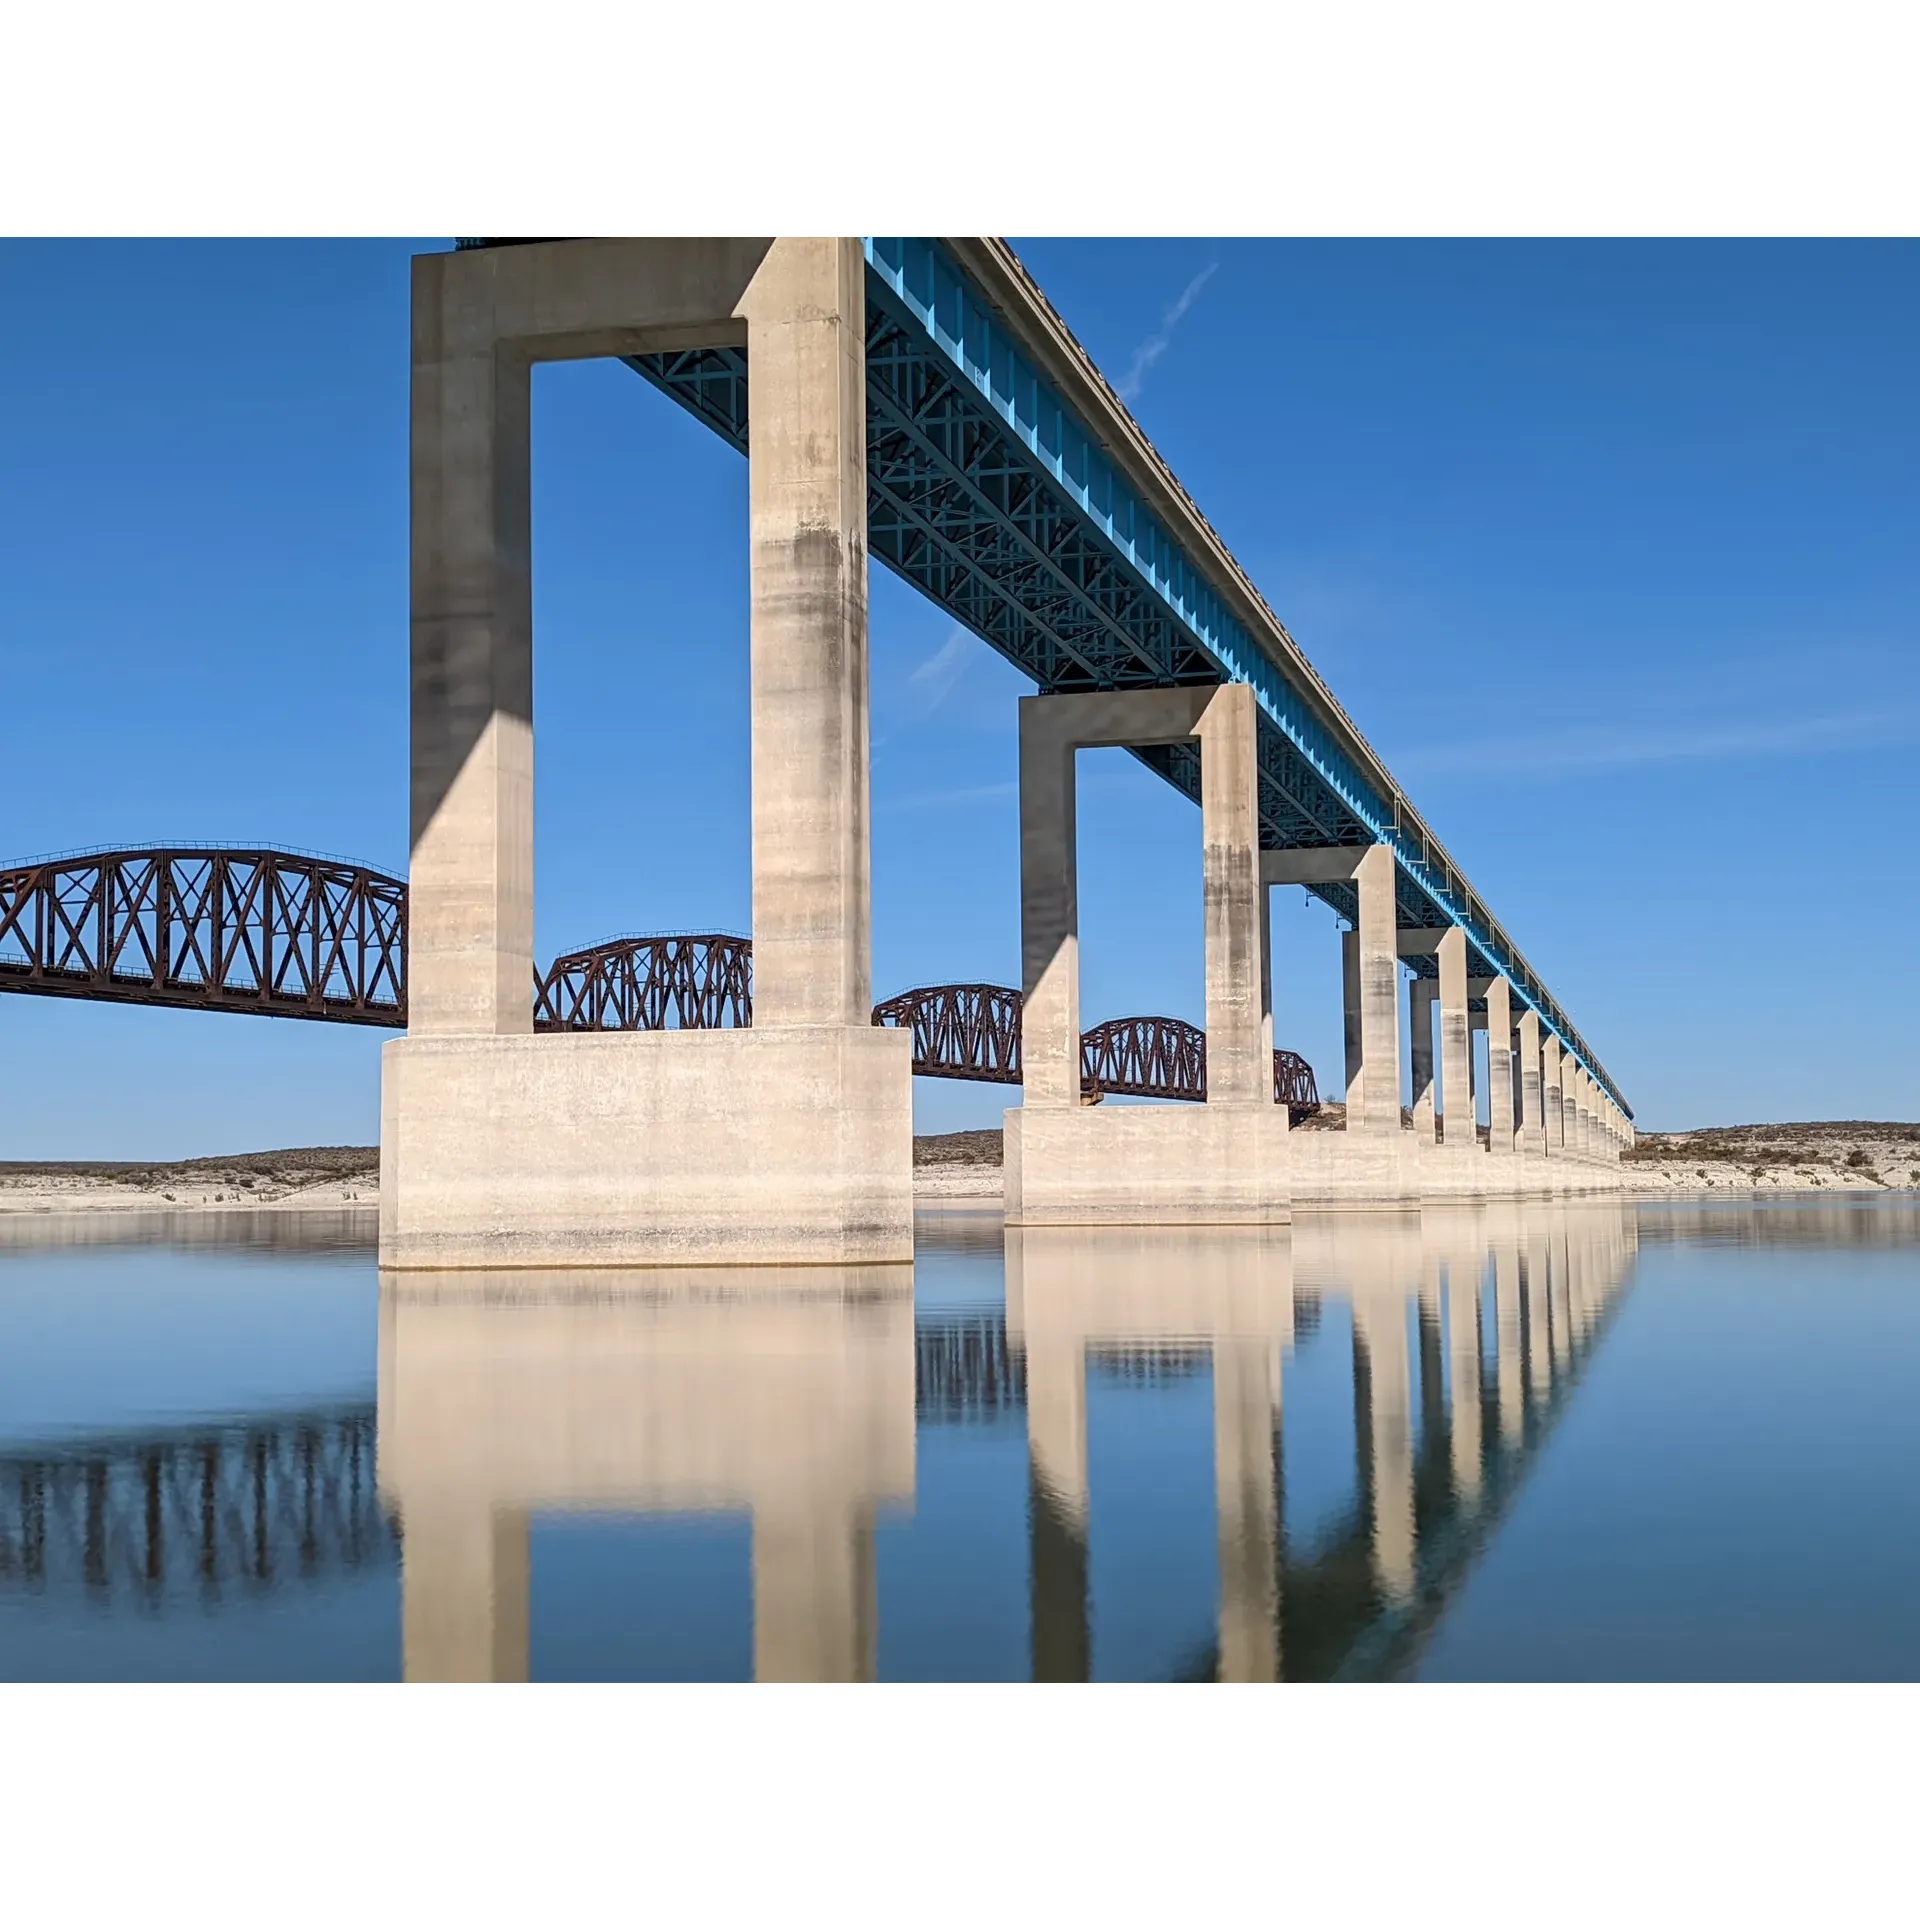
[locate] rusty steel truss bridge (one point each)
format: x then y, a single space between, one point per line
267 930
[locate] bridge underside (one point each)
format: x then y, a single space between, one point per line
918 401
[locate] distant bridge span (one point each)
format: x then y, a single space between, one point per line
269 931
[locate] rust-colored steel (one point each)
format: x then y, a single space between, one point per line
959 1033
972 1032
242 930
1146 1054
262 931
647 983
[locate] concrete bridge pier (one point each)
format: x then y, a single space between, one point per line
1533 1130
786 1143
1500 1128
1457 1131
1224 1162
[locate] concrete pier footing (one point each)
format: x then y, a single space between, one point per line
1072 1165
790 1142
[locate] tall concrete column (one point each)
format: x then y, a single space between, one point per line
815 1605
464 1585
1049 914
1456 1045
1500 1066
807 500
1379 992
1233 903
1570 1106
1384 1421
1421 995
1052 730
1352 1033
1533 1128
1551 1095
1246 1419
470 894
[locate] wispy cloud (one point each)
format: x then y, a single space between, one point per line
1147 354
1545 751
934 678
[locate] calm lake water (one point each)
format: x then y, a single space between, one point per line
1591 1442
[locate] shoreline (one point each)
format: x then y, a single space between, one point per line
961 1170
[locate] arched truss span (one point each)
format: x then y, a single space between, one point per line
972 1032
258 930
243 930
648 983
967 1032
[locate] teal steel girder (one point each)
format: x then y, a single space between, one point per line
991 497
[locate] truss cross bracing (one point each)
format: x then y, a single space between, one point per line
1009 484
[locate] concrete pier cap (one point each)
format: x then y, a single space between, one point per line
786 1143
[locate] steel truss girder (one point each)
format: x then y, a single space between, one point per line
986 494
243 930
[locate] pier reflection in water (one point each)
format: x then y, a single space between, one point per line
1595 1441
1469 1330
798 1407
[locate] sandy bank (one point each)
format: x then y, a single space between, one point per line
963 1170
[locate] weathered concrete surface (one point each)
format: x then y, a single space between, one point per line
1533 1129
1087 1166
1457 1131
705 1395
1499 1066
787 1143
647 1149
1147 1165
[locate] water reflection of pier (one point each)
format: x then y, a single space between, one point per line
798 1409
1470 1329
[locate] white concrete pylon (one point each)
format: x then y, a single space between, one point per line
1533 1132
1456 1046
1370 968
1551 1095
1499 1066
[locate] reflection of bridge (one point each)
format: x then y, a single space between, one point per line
1446 1429
238 930
236 1509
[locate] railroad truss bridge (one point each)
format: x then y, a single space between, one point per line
267 931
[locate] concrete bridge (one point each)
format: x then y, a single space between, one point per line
915 401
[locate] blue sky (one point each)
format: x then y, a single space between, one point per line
1609 548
